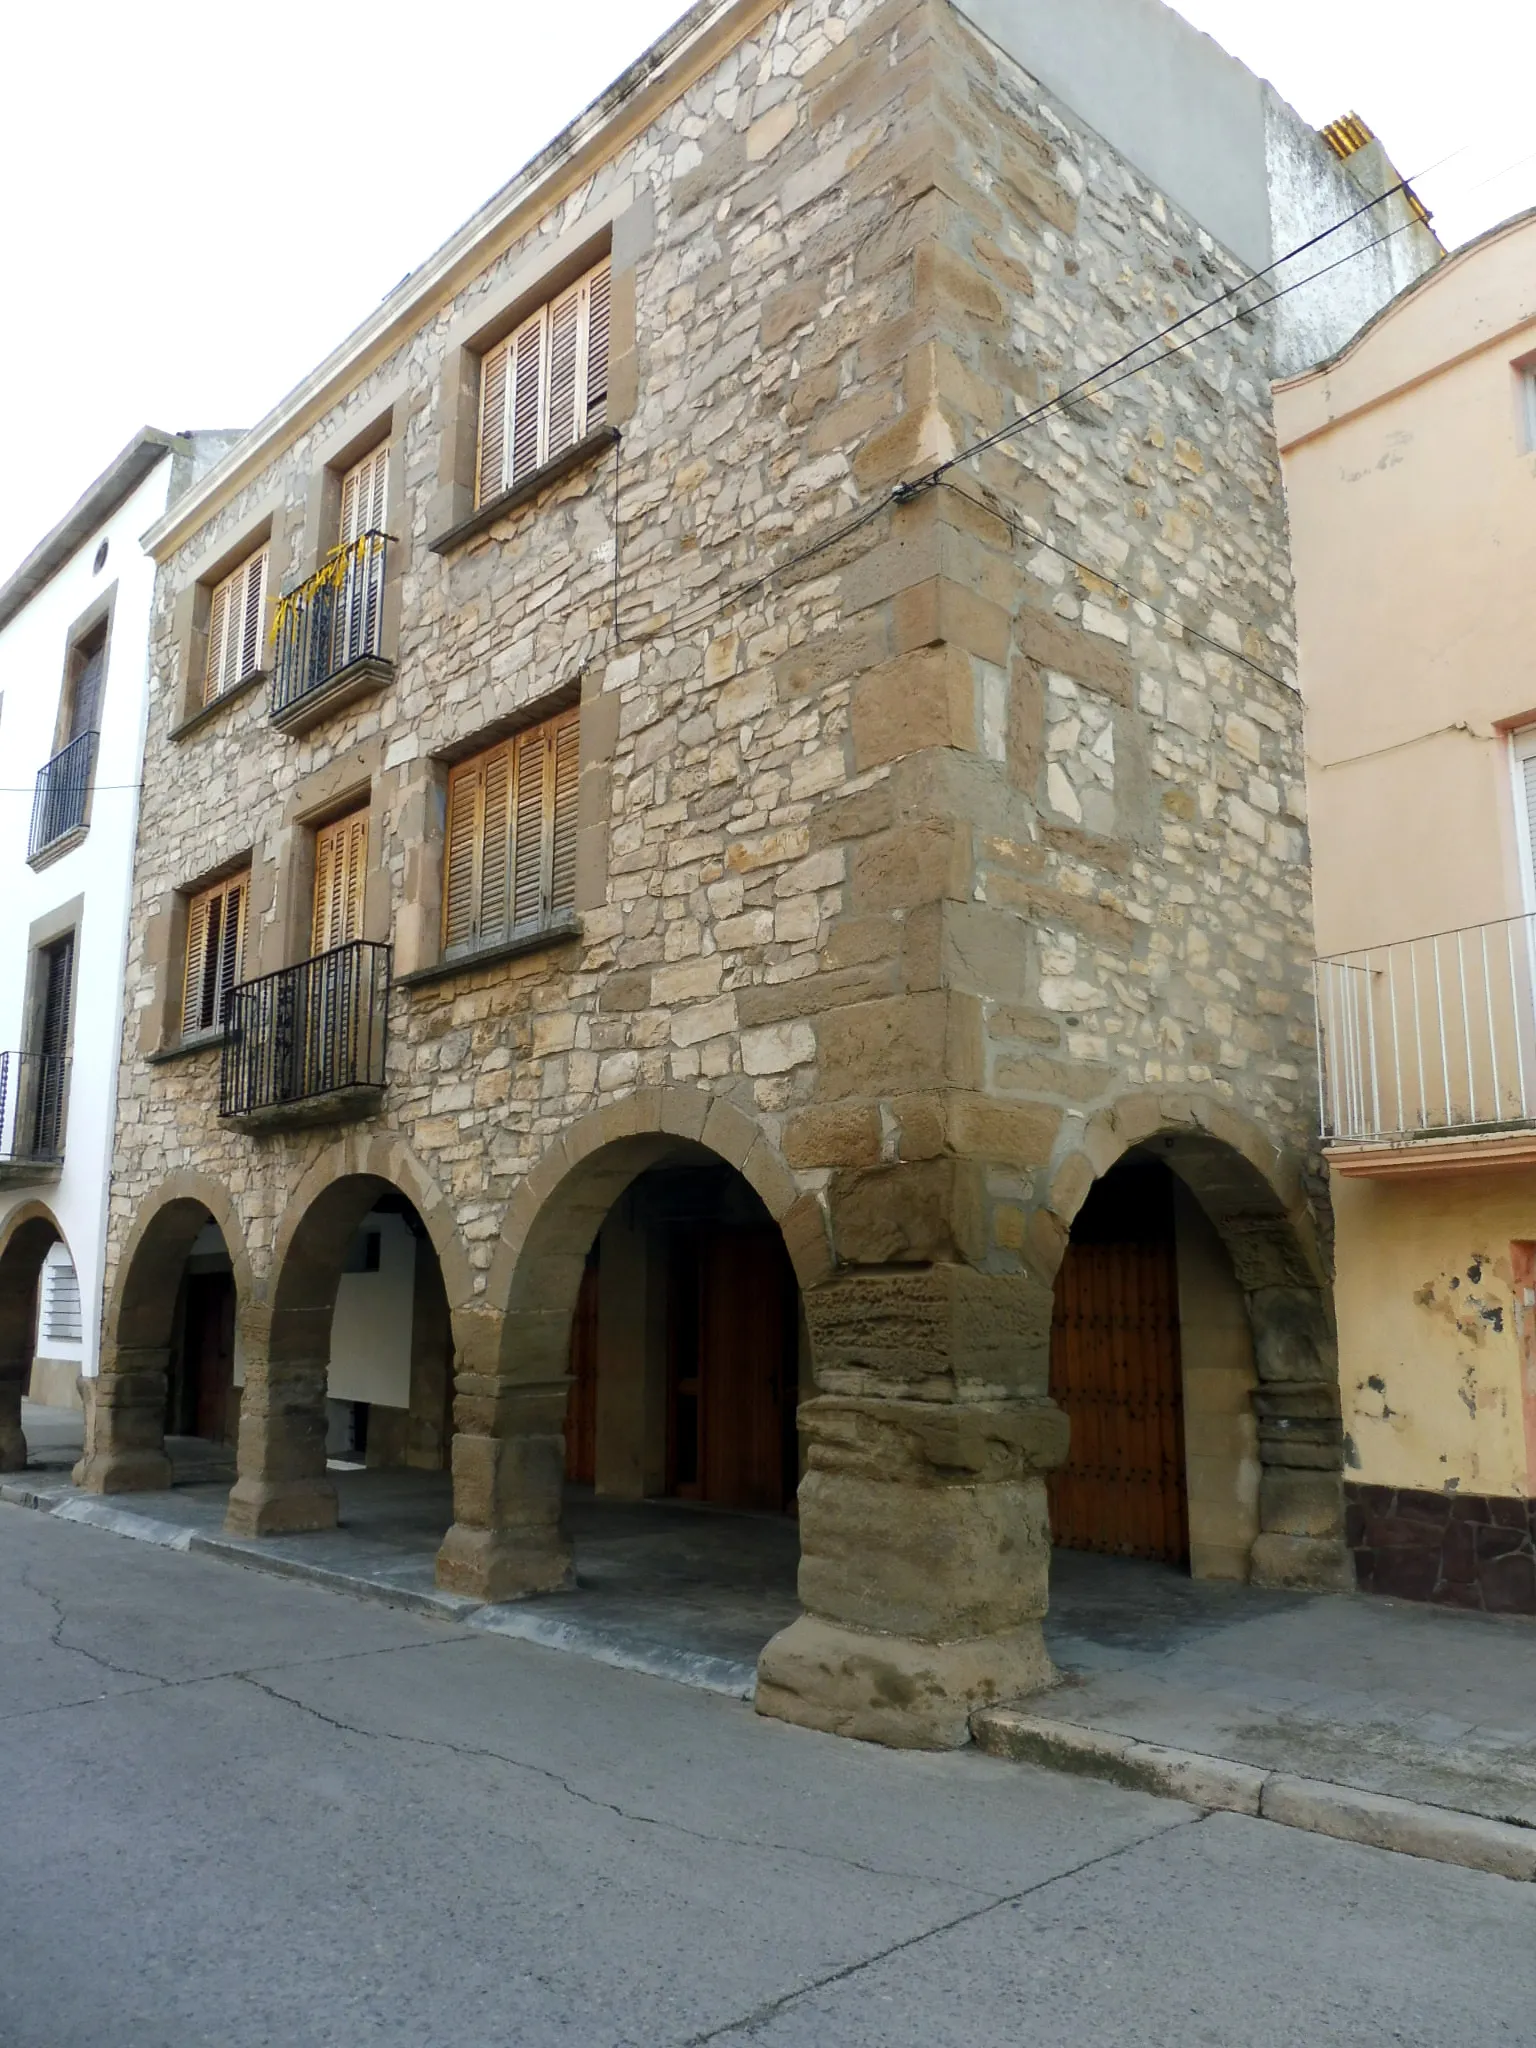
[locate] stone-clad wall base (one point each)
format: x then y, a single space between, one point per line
892 1689
1301 1564
1456 1549
495 1565
280 1507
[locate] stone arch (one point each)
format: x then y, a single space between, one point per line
1253 1193
282 1485
27 1236
507 1539
125 1402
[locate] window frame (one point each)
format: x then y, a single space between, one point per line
504 365
198 923
550 870
250 609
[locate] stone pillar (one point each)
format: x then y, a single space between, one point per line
508 1473
13 1444
125 1424
282 1487
925 1539
1301 1541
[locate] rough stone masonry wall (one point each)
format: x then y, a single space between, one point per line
924 855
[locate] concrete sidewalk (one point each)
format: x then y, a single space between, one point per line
1386 1697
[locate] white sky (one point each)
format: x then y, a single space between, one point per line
197 211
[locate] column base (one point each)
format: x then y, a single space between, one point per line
1302 1564
272 1507
501 1564
893 1689
123 1471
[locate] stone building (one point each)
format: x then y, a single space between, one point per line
716 930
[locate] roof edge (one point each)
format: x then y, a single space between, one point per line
1449 262
455 261
116 484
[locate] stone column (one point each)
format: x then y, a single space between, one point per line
509 1449
925 1541
1301 1540
13 1444
125 1423
282 1487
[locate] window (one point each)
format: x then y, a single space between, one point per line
341 864
359 591
1527 374
234 627
545 387
511 864
61 1299
215 944
82 695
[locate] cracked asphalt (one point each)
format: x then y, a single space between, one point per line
240 1810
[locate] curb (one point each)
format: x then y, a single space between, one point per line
1222 1785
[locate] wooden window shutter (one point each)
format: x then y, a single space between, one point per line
565 738
218 620
461 877
526 406
528 838
232 945
363 491
564 375
197 960
599 288
494 912
254 597
341 863
1528 791
490 473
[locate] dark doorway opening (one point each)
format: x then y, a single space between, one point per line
1116 1369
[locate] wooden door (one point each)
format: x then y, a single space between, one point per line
208 1353
341 861
1115 1369
581 1403
732 1368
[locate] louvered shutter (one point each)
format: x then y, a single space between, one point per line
363 494
1528 790
197 955
494 919
330 872
526 409
565 337
253 597
595 368
528 838
85 701
231 947
566 749
218 620
461 881
354 873
490 478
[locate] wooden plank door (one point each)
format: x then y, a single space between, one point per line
581 1402
209 1352
1116 1370
744 1339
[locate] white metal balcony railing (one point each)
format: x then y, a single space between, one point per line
1429 1035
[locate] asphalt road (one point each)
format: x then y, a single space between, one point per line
236 1810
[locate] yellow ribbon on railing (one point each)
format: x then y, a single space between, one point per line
332 574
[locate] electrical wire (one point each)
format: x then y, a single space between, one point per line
1135 596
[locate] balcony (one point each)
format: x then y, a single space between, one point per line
306 1045
61 802
1427 1051
329 634
34 1091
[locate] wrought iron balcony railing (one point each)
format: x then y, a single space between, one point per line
329 624
312 1034
63 794
34 1090
1430 1035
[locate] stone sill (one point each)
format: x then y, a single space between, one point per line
57 850
338 1106
359 678
1429 1158
206 713
559 933
30 1173
202 1041
520 494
